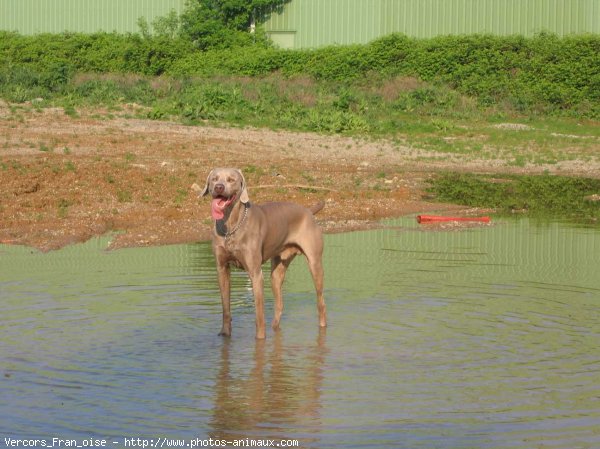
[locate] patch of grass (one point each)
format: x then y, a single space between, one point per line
251 169
180 196
540 196
307 177
63 208
16 165
71 111
124 196
70 166
519 161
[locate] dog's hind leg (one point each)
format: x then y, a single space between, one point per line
279 265
314 256
316 270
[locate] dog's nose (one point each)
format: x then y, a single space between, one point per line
219 188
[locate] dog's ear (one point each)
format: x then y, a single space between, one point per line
244 198
205 190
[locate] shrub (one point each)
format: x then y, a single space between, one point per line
544 73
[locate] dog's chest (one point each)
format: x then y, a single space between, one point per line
232 255
236 263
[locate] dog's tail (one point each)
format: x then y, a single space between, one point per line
317 207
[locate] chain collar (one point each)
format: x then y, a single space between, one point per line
221 228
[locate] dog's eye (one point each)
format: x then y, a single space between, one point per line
230 179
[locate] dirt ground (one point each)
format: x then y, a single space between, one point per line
64 180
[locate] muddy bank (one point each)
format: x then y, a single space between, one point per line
64 180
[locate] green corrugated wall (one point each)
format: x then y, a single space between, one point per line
314 23
55 16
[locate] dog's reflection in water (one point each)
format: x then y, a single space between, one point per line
281 391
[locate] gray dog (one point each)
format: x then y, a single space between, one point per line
246 236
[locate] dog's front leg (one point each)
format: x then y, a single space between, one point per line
256 276
224 273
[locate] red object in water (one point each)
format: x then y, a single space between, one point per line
440 218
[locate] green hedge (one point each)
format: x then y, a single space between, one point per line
541 74
538 195
98 53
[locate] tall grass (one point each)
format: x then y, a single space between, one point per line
541 196
544 74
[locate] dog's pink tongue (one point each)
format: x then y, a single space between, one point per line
218 205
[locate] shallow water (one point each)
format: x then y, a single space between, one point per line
482 338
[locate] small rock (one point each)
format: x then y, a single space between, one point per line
571 136
592 198
363 166
514 126
33 188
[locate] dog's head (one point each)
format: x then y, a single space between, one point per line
225 185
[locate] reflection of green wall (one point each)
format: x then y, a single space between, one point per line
359 263
512 249
515 250
506 249
112 293
99 295
79 268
